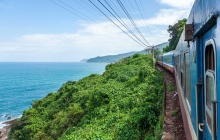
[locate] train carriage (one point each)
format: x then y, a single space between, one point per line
197 68
167 61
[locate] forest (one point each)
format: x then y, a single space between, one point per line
125 102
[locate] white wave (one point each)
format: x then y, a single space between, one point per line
2 124
4 115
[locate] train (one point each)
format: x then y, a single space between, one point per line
195 64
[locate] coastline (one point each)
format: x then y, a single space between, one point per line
6 129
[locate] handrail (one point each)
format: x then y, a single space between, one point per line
214 106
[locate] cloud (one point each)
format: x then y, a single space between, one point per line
89 41
186 4
168 17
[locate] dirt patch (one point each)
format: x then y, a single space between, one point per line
173 122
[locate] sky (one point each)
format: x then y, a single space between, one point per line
72 30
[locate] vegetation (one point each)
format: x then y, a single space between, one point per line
113 58
175 33
174 113
110 58
170 87
125 102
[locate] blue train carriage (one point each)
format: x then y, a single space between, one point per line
160 60
197 71
167 61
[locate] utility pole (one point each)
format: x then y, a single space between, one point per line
153 56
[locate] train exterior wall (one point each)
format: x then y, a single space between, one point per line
190 69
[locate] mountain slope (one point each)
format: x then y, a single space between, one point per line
114 58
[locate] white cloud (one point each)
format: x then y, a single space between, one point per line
168 16
90 41
93 39
187 4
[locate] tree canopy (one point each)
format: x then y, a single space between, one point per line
125 102
175 33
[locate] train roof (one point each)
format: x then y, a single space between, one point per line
168 53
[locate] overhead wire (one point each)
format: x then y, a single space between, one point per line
142 15
117 8
86 6
128 15
68 9
120 20
112 12
91 21
114 23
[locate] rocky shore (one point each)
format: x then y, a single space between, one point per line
5 130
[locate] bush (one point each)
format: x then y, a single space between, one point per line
123 103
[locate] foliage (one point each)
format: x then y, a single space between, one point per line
174 113
175 33
157 52
112 58
125 102
170 87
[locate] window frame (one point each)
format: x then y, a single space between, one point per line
209 111
187 86
211 73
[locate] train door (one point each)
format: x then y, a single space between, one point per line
210 95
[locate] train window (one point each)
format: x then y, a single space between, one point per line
210 62
187 80
210 96
210 84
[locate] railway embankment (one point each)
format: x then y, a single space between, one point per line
173 128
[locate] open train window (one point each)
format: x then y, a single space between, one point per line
210 83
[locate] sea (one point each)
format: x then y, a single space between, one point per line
23 83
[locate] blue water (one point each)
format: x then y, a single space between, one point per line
22 83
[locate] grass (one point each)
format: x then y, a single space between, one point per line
170 87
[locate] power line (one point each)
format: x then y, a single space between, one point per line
142 15
68 9
126 12
114 14
114 22
121 21
141 21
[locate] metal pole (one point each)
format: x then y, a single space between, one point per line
153 56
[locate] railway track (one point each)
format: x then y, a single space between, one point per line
173 128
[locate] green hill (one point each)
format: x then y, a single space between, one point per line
110 58
114 58
125 102
161 46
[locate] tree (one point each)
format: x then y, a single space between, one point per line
175 33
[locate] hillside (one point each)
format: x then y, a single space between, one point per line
125 102
110 58
161 46
114 58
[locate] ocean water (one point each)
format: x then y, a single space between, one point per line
22 83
